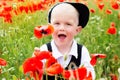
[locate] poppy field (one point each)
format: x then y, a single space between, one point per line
20 18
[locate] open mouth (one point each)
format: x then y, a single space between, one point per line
62 36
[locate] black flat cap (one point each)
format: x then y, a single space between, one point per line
82 10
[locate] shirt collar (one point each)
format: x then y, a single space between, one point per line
57 54
73 50
55 51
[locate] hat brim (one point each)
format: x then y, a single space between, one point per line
82 10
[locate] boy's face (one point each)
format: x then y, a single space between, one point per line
64 18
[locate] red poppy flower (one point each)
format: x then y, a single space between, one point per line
66 74
21 8
7 17
8 20
99 55
37 32
80 73
49 29
108 11
8 8
112 30
50 61
4 3
40 55
93 61
40 31
112 24
100 6
35 7
3 62
40 7
55 68
26 8
33 65
89 77
92 10
115 5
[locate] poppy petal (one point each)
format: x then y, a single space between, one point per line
42 55
50 29
56 68
32 64
37 32
3 62
50 61
93 61
66 74
80 73
99 55
100 6
89 77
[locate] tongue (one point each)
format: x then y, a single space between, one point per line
62 37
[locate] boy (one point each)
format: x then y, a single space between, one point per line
68 19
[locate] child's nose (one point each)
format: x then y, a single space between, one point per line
62 27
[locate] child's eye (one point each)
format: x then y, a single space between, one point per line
68 24
56 23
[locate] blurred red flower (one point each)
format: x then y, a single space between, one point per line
3 62
35 7
66 74
92 10
115 5
94 58
24 9
50 61
89 77
112 24
8 8
81 74
112 29
108 11
34 66
100 6
55 68
4 3
78 74
52 67
40 55
41 31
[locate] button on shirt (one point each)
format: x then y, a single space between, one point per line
85 57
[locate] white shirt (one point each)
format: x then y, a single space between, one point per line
85 57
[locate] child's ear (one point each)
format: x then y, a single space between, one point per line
79 28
